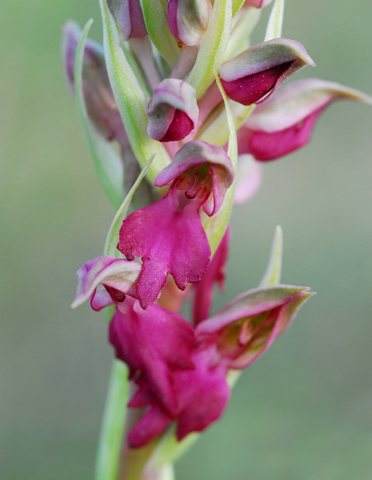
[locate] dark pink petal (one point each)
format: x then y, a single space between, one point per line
202 394
284 123
173 111
154 422
206 168
129 18
105 280
179 128
255 74
169 240
246 327
271 145
153 342
215 273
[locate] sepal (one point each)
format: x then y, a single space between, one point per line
246 327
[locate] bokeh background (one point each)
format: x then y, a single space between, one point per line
304 411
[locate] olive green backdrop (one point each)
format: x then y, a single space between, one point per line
304 411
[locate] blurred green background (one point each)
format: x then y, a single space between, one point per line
304 411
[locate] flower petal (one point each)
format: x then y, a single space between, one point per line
169 240
153 343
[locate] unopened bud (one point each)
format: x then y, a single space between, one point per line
173 111
255 74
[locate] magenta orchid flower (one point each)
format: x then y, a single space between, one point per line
168 235
180 370
234 338
255 74
285 122
173 111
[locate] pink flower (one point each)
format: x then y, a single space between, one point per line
232 339
168 235
285 122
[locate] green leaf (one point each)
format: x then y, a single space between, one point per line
212 48
106 161
155 15
275 23
130 99
274 268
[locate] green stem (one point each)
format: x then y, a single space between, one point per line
110 442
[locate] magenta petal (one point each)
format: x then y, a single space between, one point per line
150 426
180 126
215 273
152 342
168 241
202 394
271 145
